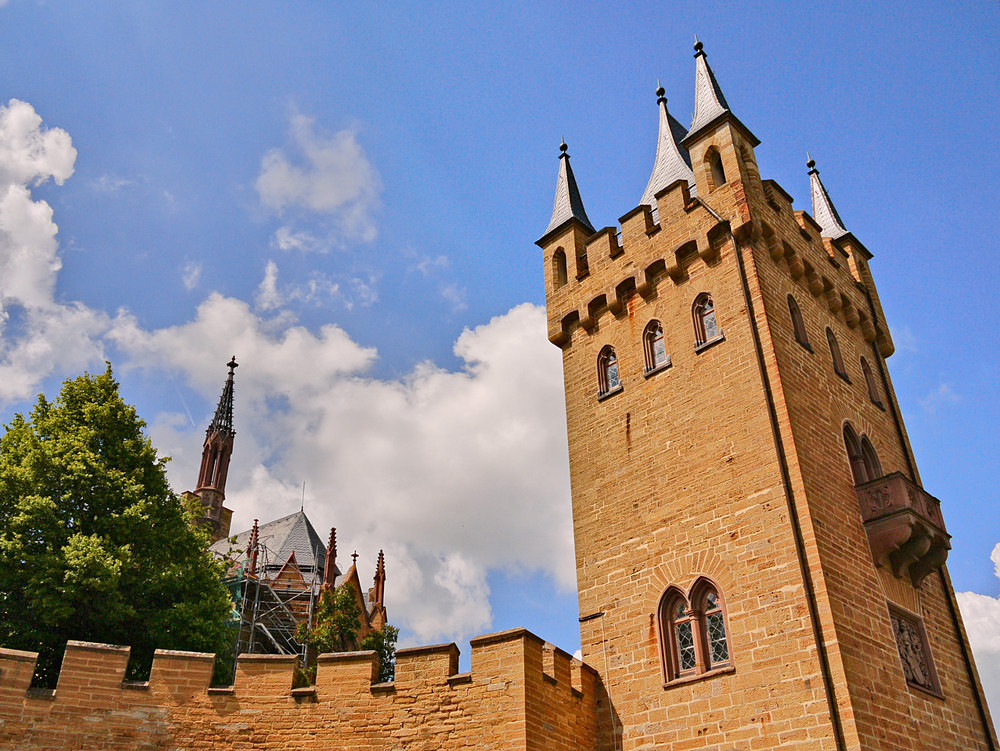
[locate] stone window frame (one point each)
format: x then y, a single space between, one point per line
605 359
703 306
838 359
862 458
798 324
649 339
560 271
897 612
873 393
692 616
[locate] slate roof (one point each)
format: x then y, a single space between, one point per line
709 101
292 533
568 204
672 162
823 210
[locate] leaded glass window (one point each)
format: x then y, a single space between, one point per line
706 324
655 346
608 377
684 635
715 627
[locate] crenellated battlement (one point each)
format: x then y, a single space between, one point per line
520 693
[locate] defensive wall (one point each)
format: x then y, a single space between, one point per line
521 693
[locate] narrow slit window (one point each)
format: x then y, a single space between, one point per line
559 273
873 467
798 325
859 469
873 394
838 360
718 173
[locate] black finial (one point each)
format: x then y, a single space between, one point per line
563 147
811 164
354 557
232 365
698 46
660 91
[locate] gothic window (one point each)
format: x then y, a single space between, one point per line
914 651
870 382
706 324
608 379
655 347
865 465
838 360
858 470
715 166
559 275
873 467
717 645
798 325
693 632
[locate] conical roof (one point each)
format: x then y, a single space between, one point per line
823 210
672 161
568 204
709 102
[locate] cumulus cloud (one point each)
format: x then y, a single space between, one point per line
320 174
981 614
37 333
452 472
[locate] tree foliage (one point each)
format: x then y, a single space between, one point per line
336 625
94 545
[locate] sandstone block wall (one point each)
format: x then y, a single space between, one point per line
520 694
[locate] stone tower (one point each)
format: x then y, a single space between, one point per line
758 564
218 449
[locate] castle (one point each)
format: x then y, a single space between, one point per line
758 564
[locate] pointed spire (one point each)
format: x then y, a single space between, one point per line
223 420
252 547
671 162
568 204
380 578
709 102
330 566
823 210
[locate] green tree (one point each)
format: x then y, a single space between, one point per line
335 629
94 545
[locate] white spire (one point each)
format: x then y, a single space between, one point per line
670 165
568 204
709 102
823 210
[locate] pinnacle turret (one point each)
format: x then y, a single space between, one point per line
672 162
710 104
823 210
568 204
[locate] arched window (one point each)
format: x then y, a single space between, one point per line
717 646
706 324
838 360
798 325
870 382
873 467
608 379
559 274
693 632
858 469
655 347
715 165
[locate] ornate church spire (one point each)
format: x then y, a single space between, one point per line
380 579
568 204
218 449
823 210
671 163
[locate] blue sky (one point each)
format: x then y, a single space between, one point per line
347 198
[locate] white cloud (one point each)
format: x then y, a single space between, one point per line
939 398
427 264
981 614
328 175
191 274
318 290
455 295
453 473
39 335
108 183
285 238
